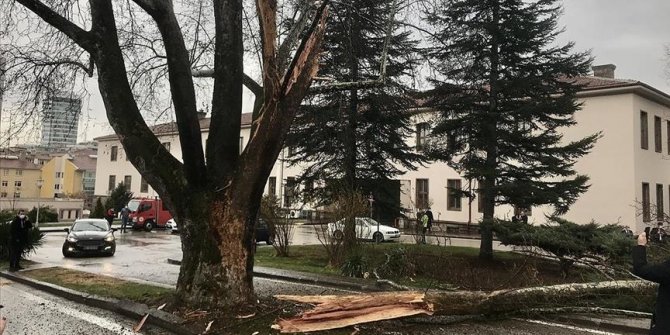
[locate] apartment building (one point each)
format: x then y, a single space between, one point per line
629 166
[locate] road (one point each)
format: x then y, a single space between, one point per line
33 312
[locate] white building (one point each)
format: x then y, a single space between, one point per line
60 121
629 166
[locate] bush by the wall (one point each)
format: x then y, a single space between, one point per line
47 214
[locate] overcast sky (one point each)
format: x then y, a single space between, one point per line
630 34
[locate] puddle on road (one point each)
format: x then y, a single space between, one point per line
89 264
132 243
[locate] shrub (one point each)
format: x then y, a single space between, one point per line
280 226
35 239
604 247
398 264
47 214
356 265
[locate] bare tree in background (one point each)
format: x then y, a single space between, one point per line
138 49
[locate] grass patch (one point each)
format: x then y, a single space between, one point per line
432 266
102 285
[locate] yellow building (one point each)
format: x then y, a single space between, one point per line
18 178
69 175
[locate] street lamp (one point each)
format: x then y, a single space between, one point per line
39 184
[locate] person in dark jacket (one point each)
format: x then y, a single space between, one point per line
659 273
18 238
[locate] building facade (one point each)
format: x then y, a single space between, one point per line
629 166
60 121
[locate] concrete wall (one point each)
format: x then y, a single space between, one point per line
68 209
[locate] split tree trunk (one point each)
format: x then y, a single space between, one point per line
333 312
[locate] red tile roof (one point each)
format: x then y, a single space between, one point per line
23 164
171 127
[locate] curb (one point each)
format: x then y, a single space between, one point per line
298 277
126 308
602 324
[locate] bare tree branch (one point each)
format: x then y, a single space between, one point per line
83 38
182 88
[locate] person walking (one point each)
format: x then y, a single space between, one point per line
18 239
430 218
125 213
658 273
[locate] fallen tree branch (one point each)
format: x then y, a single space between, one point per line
333 312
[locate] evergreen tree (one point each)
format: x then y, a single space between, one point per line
357 137
98 211
119 198
504 91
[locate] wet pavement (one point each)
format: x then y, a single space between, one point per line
142 257
29 311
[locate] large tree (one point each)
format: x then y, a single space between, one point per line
358 136
214 192
505 93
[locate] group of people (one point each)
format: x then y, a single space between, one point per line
426 219
125 215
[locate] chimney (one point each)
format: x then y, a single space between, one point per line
201 114
604 71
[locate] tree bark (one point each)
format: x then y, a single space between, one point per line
490 128
216 203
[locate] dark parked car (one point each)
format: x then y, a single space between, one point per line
89 236
263 232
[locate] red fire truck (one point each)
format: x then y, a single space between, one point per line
148 214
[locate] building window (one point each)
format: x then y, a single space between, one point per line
422 193
6 172
658 142
57 187
290 191
19 172
421 135
454 193
144 186
17 194
128 181
272 186
4 183
644 131
660 207
59 174
646 210
112 183
114 153
3 194
166 145
17 183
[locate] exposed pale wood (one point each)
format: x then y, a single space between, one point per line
342 311
333 312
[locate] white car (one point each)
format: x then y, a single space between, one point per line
172 225
366 229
